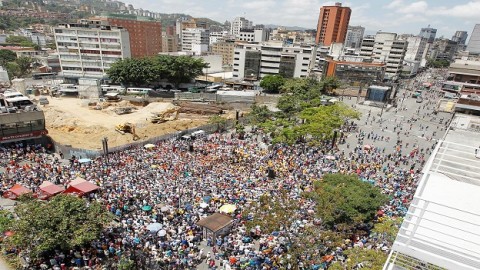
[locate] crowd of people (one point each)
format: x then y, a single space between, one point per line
178 182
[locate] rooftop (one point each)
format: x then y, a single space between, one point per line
442 226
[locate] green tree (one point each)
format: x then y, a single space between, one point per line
387 229
272 83
6 220
7 56
17 39
63 223
179 69
218 120
24 65
259 114
345 200
133 72
329 84
13 69
370 259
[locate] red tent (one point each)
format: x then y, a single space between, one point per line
48 189
15 191
81 187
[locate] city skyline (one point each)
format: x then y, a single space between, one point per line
374 15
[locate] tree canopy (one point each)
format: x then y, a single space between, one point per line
272 83
64 222
345 200
22 41
145 71
7 56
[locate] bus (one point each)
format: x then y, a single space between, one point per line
68 88
113 89
39 76
138 91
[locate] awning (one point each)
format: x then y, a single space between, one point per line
81 186
215 222
50 188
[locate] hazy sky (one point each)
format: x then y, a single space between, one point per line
401 16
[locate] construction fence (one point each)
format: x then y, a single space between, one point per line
69 151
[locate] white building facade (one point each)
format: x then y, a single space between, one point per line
195 40
86 51
238 24
258 60
474 42
354 36
252 35
386 49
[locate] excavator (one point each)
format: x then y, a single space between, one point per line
127 128
168 115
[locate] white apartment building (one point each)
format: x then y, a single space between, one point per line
252 35
473 46
238 24
88 51
386 49
354 36
255 61
195 40
415 49
217 36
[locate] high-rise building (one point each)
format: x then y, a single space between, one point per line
87 50
474 42
428 33
238 24
460 37
195 40
332 24
415 48
385 48
145 33
255 61
252 35
354 36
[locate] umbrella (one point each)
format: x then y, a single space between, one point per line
154 227
188 207
9 233
84 160
146 208
204 205
228 208
330 157
367 147
149 145
164 209
162 233
207 198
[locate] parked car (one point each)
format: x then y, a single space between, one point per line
43 101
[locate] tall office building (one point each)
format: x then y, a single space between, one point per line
474 42
87 50
428 33
145 33
385 48
354 36
332 24
460 37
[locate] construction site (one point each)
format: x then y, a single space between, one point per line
83 123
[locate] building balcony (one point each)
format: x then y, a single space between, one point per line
269 64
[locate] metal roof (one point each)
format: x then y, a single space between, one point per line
442 226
